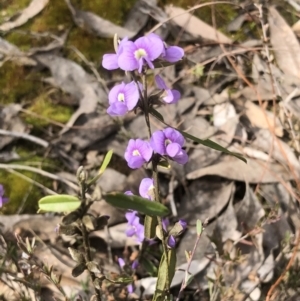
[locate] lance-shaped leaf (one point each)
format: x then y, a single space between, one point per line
136 203
150 224
166 273
76 255
58 203
103 167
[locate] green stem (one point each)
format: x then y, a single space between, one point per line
155 161
86 244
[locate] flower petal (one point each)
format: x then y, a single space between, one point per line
126 59
121 262
169 98
173 149
173 54
174 136
130 216
176 96
146 188
160 83
157 142
110 61
117 109
152 45
182 157
145 149
132 95
114 92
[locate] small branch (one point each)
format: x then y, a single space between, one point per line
28 137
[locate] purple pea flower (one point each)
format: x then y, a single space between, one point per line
110 61
137 153
165 223
172 54
134 226
123 98
183 224
134 55
171 242
128 192
169 142
135 264
121 262
169 96
146 189
3 199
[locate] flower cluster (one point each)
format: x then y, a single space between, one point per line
144 51
138 56
3 199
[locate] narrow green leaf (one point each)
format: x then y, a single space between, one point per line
166 273
156 114
137 203
150 224
199 227
211 144
58 203
188 279
106 161
148 265
103 167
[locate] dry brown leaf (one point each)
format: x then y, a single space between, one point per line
34 8
97 25
260 118
254 171
194 25
285 44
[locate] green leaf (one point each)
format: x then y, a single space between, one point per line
166 273
156 114
199 227
103 167
137 203
106 161
150 224
211 144
149 266
58 203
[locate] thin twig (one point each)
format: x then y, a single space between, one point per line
25 136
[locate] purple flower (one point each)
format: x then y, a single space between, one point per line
165 223
3 199
130 288
134 55
173 54
121 262
146 189
169 96
135 264
123 98
171 242
169 142
183 224
134 226
137 153
110 61
128 192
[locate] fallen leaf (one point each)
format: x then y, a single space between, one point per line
34 8
97 25
194 25
285 44
260 117
254 171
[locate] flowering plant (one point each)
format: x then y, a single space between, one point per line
137 58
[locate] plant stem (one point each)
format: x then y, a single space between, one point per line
86 244
183 284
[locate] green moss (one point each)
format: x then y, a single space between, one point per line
45 108
10 8
17 84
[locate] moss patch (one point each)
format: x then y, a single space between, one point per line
47 110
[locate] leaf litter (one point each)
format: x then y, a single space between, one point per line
251 208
